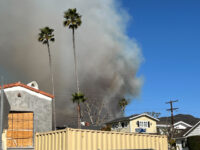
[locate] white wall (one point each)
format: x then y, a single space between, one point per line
195 132
180 126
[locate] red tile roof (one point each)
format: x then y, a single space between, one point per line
27 87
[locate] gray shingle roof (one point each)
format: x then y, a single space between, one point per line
128 118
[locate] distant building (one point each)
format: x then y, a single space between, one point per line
180 126
142 123
31 111
181 141
184 126
194 131
182 123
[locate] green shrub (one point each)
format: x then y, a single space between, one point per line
194 142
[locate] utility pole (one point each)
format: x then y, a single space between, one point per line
172 116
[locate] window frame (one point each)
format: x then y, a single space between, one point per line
143 124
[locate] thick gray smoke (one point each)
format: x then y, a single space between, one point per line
107 59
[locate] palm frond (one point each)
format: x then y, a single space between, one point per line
45 35
78 98
52 39
72 19
45 42
40 39
122 103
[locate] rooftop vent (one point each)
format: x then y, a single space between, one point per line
33 84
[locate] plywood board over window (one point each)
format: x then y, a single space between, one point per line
20 129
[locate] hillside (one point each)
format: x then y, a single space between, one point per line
180 117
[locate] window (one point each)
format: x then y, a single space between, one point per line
115 125
124 124
20 129
184 143
19 95
143 124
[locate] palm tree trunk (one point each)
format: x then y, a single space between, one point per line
76 74
75 61
53 91
79 115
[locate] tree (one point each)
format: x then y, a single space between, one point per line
45 36
153 114
95 112
169 133
73 21
123 103
78 98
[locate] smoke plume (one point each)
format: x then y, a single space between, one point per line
107 58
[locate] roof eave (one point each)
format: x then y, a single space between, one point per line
27 87
144 114
183 123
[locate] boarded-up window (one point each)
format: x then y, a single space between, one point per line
20 129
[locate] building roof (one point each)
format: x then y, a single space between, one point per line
27 87
118 119
91 127
167 124
181 122
144 114
191 129
181 134
132 117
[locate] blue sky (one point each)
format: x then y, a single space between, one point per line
168 33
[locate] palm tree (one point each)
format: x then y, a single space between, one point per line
122 103
73 21
78 98
45 36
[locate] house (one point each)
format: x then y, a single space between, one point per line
182 142
194 131
181 123
184 125
30 112
179 126
140 123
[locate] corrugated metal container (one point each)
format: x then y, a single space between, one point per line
4 145
79 139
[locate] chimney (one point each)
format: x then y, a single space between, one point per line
33 84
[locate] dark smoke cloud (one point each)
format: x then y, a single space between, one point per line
107 59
